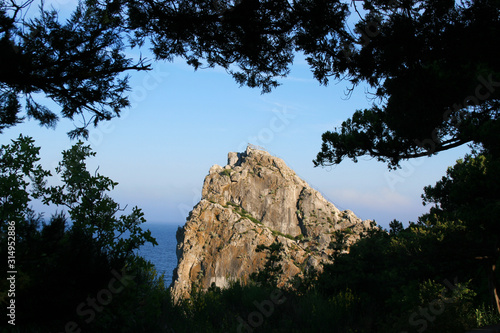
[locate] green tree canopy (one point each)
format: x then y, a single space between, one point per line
92 210
432 65
21 178
434 69
77 64
469 195
61 263
254 40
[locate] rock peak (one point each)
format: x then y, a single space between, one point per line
256 199
235 159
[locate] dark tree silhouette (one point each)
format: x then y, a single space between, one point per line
469 194
432 65
77 64
434 69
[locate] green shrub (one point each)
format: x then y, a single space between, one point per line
486 315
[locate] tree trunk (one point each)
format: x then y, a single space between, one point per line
494 288
492 281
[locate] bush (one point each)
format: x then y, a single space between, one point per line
65 264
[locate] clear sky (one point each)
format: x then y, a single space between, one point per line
182 122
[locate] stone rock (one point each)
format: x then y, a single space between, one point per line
256 199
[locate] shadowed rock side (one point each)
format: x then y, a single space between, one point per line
256 199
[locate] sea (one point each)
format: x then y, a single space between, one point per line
162 255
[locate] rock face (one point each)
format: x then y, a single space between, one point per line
256 199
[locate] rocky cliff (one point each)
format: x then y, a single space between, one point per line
256 199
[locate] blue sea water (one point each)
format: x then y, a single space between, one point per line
163 255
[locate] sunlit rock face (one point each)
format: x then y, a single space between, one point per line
256 199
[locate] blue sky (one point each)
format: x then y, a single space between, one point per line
182 122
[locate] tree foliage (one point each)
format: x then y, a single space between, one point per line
434 72
270 274
61 262
255 41
21 178
254 35
469 195
77 64
412 279
92 210
432 65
